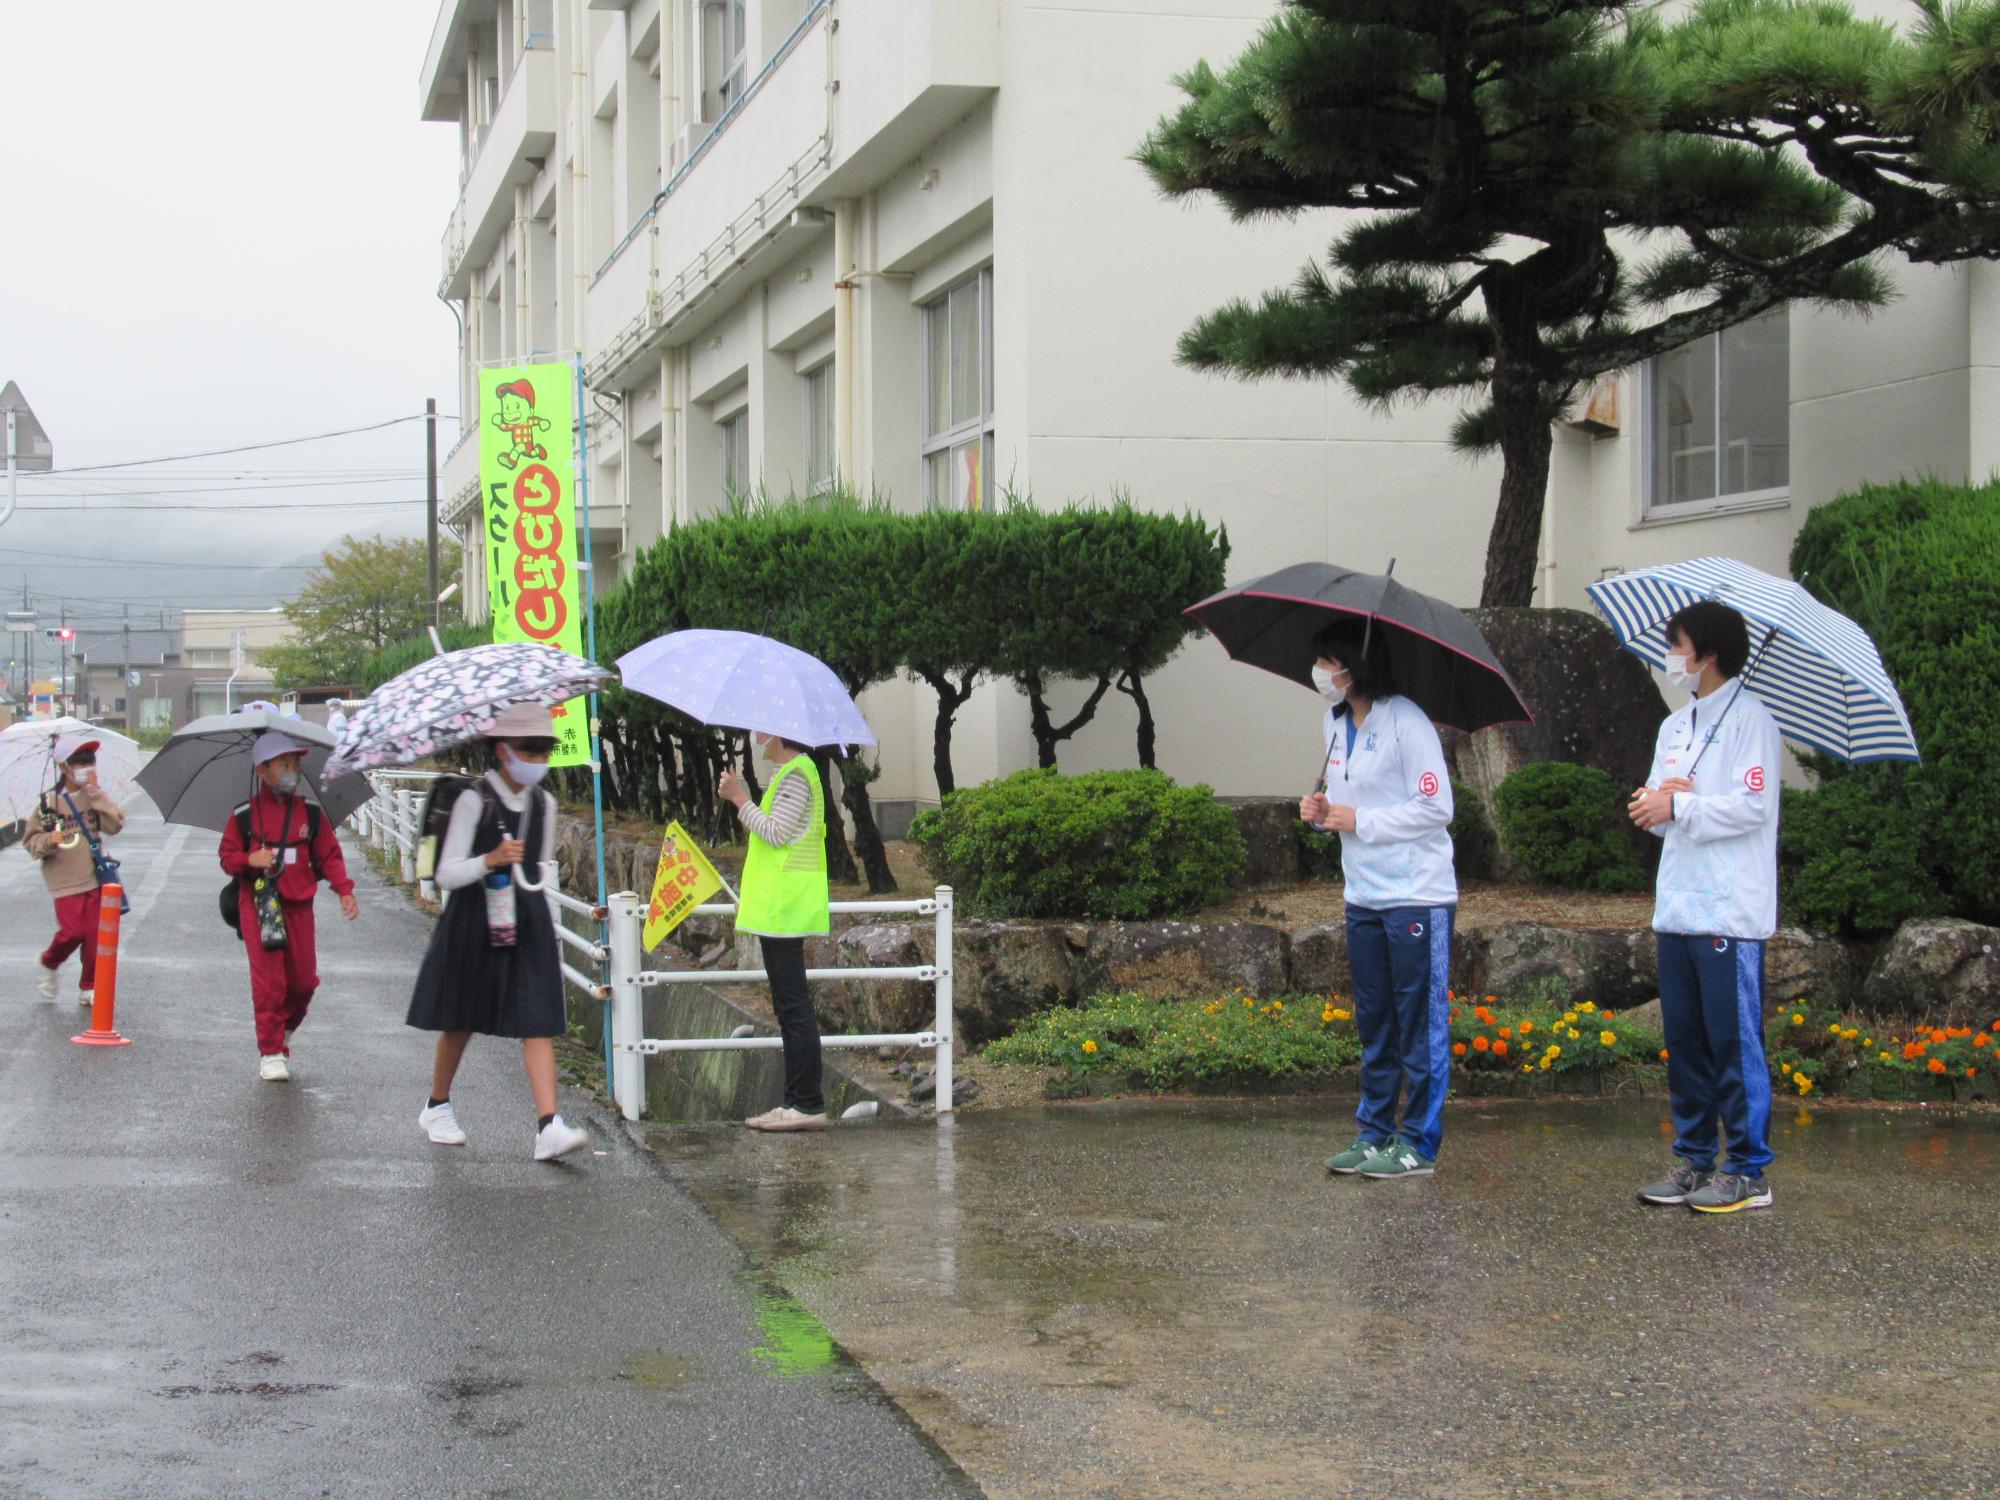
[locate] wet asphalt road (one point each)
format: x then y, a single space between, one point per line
1139 1299
212 1286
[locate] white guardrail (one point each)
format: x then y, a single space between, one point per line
392 818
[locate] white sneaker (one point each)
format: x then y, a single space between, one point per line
273 1068
558 1138
786 1118
46 985
441 1125
86 998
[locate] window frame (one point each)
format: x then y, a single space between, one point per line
822 443
1654 510
978 427
733 432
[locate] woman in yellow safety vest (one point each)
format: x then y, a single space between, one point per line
784 902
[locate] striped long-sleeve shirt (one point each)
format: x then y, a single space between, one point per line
790 815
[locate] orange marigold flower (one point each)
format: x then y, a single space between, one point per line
1491 999
1912 1051
1935 1065
1972 1072
1480 1044
1458 1049
1663 1054
1506 1031
1500 1050
1526 1027
1981 1040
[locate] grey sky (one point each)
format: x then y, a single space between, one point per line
222 227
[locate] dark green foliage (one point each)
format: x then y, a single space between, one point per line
1474 845
1851 863
1918 565
1565 822
1512 155
392 661
1106 845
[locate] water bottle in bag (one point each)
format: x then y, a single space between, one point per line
501 930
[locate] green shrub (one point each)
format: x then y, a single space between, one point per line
394 660
1108 844
1917 564
1565 823
1472 840
1851 862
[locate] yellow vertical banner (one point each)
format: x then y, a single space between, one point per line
682 882
527 476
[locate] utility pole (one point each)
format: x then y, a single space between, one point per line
126 687
28 684
62 661
431 499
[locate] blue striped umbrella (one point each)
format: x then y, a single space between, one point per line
1816 670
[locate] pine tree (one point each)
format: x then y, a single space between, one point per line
1543 191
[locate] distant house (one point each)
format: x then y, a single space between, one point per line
122 677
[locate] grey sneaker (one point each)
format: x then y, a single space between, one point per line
1397 1159
1685 1178
1729 1192
1348 1162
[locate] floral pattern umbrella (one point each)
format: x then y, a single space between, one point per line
28 764
453 699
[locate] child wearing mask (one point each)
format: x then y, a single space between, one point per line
279 847
56 837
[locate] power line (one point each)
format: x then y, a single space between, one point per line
81 559
241 510
174 458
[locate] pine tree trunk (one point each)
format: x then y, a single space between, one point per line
839 858
867 837
1133 688
951 698
1513 547
1048 734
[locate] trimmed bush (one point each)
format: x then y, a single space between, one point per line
1125 845
1849 862
1563 822
394 660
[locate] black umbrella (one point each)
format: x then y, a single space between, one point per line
1437 656
204 773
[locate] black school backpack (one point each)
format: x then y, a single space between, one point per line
438 802
232 913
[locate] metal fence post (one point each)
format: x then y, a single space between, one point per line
406 840
942 1068
628 1020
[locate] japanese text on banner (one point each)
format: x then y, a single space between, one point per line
683 881
527 473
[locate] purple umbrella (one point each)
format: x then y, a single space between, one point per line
734 680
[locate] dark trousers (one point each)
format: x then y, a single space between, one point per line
1400 960
1712 1010
785 962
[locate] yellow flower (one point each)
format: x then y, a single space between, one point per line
1088 1045
1340 1015
1551 1055
1277 1005
1869 1041
1569 1018
1527 1067
1545 1065
1609 1038
1834 1028
1805 1085
1885 1057
1586 1009
1248 1003
1797 1019
1575 1035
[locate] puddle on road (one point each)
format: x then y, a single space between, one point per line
795 1343
659 1370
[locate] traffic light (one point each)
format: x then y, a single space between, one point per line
66 633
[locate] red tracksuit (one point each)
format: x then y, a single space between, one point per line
282 981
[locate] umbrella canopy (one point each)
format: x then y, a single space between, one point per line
1438 657
28 761
1815 669
453 699
734 680
205 773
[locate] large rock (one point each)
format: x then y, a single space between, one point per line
1187 960
876 1004
1593 703
1269 826
1319 960
1939 965
1613 966
1804 965
1004 972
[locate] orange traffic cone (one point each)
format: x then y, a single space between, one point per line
104 1006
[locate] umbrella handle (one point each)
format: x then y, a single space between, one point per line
521 878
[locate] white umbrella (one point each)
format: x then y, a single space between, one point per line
28 763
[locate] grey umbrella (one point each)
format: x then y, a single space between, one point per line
204 774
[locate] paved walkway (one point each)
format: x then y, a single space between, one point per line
215 1287
1145 1299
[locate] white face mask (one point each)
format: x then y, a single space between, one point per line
288 782
1330 690
524 772
1678 675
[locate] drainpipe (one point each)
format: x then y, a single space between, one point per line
579 219
846 469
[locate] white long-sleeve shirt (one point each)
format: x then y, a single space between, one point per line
1395 779
457 865
1719 869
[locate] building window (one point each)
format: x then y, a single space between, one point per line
735 431
1719 414
726 53
958 395
822 461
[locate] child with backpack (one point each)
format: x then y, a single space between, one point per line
278 847
61 831
493 967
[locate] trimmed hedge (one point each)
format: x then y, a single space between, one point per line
1119 845
1566 824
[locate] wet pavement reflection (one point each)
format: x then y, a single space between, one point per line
1142 1298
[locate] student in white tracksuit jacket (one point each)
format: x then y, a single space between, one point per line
1388 795
1713 797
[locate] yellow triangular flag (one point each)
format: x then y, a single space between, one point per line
685 880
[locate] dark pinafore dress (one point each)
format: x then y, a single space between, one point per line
467 984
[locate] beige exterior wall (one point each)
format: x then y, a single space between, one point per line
873 163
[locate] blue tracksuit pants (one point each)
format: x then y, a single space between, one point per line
1400 958
1712 1009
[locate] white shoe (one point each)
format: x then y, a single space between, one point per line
273 1068
46 985
86 998
786 1118
441 1125
558 1138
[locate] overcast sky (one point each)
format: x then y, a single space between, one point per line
221 227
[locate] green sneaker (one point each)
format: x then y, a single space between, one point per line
1397 1159
1349 1161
